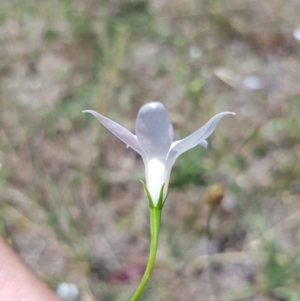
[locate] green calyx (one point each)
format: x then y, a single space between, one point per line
161 199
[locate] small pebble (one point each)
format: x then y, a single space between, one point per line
68 291
195 51
253 82
296 33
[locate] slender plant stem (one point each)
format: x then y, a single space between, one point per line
213 284
155 214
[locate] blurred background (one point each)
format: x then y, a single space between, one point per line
71 202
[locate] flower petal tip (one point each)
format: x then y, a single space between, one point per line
204 144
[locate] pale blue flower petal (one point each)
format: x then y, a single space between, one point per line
181 146
154 130
203 143
119 131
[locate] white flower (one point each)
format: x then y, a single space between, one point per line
154 142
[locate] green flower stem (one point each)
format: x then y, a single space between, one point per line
155 214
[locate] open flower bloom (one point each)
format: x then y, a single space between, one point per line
154 142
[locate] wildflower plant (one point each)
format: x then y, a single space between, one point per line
154 142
